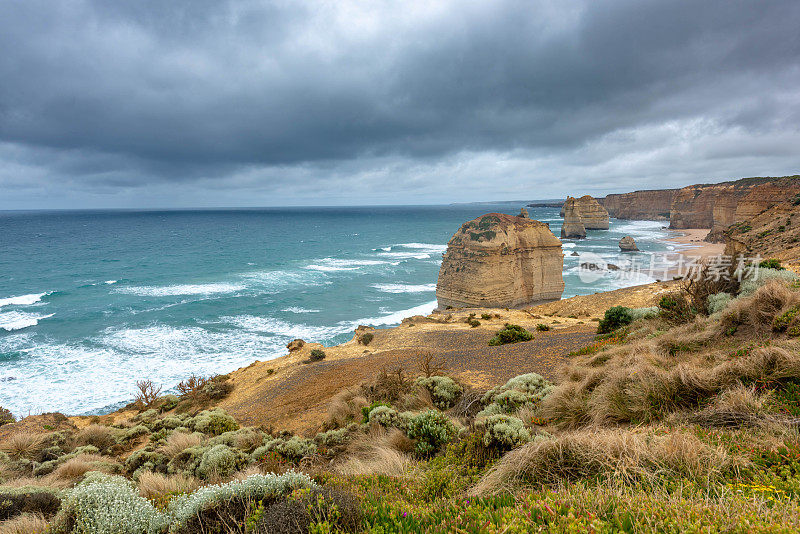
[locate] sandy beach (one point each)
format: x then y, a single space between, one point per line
691 245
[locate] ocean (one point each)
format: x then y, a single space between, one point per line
92 301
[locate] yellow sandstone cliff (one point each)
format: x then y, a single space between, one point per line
501 261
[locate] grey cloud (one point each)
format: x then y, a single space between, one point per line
110 97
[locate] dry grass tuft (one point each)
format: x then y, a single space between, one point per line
177 442
155 485
378 460
25 524
249 439
100 436
379 436
345 407
649 378
753 316
23 445
618 454
74 468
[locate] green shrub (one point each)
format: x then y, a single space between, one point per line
317 355
504 431
474 323
145 460
771 264
542 327
332 438
675 308
367 409
26 500
220 461
512 333
431 429
383 415
796 200
782 321
523 390
317 510
367 338
214 422
486 316
444 391
614 318
6 416
293 449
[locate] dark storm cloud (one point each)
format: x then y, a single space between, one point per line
107 97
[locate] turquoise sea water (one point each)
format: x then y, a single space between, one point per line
92 301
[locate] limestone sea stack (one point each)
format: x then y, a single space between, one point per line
501 261
593 215
573 224
628 244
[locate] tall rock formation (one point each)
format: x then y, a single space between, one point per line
572 228
653 205
593 215
501 261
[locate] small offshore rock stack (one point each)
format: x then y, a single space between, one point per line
593 215
628 244
523 213
573 224
501 261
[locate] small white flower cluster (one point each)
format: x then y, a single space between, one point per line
504 431
106 504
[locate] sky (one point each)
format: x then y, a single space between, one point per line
203 103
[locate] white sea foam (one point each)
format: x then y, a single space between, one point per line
404 255
17 320
22 300
110 282
65 377
428 247
281 279
404 288
182 289
568 245
295 309
286 330
338 264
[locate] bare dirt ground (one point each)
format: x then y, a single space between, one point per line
288 394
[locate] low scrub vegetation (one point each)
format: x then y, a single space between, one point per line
511 333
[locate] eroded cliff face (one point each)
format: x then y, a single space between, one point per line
767 222
593 215
651 205
501 261
573 227
718 206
